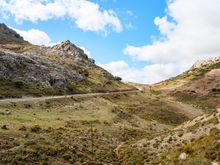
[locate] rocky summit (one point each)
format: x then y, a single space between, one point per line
8 35
41 70
209 61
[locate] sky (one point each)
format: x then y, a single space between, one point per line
144 41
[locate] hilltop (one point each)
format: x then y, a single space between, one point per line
200 85
195 141
9 36
172 122
27 69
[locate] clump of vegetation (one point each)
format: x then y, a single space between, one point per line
4 127
22 128
19 84
66 156
203 150
188 149
88 129
118 78
35 128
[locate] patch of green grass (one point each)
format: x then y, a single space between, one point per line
57 128
206 103
18 88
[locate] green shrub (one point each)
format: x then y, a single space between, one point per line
217 148
43 163
214 132
66 156
18 158
188 149
118 78
19 84
52 151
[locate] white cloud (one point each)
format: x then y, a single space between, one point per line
34 36
189 31
87 15
86 51
149 74
165 27
122 69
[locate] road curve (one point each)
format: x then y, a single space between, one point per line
15 100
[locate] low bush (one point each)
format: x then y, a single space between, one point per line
188 149
22 128
19 84
35 128
66 156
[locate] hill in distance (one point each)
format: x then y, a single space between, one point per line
173 122
195 141
199 86
27 69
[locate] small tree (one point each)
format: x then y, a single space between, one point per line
118 78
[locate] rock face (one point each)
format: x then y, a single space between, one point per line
209 61
70 51
63 67
31 68
8 35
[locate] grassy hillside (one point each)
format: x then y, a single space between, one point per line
80 130
175 122
203 151
30 70
199 86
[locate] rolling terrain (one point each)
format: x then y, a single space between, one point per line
199 86
81 130
58 107
195 141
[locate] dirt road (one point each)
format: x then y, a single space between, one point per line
15 100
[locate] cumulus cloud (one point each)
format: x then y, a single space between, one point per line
86 51
34 36
189 31
122 69
148 74
87 15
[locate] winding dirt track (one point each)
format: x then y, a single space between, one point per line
15 100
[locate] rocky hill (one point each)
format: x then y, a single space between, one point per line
8 35
203 63
27 69
173 122
195 141
199 86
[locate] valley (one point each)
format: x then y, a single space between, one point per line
58 107
86 130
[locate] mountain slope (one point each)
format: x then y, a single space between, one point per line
80 130
27 69
164 123
9 36
195 141
199 86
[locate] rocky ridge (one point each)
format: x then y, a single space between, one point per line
202 63
63 67
8 35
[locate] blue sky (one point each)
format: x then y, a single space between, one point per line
140 41
105 48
